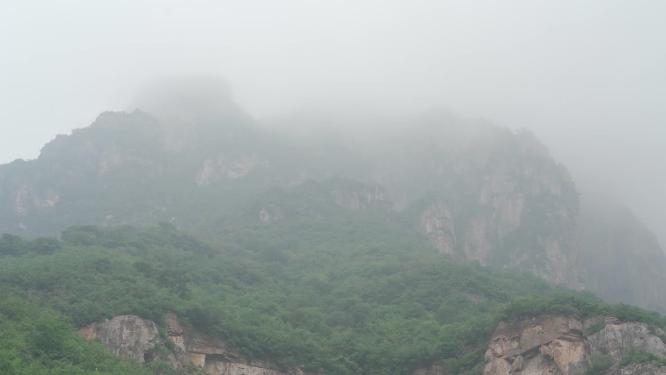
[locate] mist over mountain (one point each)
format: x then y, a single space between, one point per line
587 80
376 187
477 191
305 202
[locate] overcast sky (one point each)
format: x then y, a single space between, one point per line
587 76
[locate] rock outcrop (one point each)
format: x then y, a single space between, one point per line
137 339
504 202
561 345
127 336
131 337
437 223
216 170
213 355
618 339
360 198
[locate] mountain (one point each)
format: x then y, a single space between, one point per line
405 248
476 191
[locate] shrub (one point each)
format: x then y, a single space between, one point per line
599 365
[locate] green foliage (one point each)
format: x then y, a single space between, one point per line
343 294
340 290
560 301
594 328
37 341
12 245
583 305
600 364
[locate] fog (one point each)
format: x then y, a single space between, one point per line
587 77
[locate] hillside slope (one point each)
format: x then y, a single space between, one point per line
365 298
476 191
347 294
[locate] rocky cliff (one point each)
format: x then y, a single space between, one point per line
563 345
127 336
131 337
549 344
514 208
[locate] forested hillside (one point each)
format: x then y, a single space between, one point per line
363 298
477 192
394 253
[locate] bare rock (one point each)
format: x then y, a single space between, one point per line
548 345
222 168
436 222
557 345
126 336
215 367
617 339
129 336
360 198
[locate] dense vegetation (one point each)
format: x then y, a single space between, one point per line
37 341
373 301
583 305
360 303
305 261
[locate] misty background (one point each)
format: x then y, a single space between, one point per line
587 77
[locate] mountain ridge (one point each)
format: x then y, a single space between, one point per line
476 191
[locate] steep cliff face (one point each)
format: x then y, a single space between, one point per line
507 204
563 345
138 339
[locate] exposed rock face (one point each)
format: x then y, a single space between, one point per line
360 198
618 339
131 337
127 336
503 201
216 170
229 368
436 222
499 225
27 200
319 199
552 345
557 345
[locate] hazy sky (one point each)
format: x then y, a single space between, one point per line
589 77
